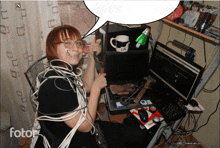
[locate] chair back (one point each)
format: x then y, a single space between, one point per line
31 75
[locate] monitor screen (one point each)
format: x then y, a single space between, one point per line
173 70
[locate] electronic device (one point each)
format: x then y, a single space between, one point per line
176 79
168 106
140 115
145 102
156 120
195 107
190 52
178 76
204 22
193 103
143 115
152 109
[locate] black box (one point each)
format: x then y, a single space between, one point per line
125 67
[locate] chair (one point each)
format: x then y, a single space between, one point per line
31 75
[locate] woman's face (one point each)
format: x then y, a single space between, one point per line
75 52
194 8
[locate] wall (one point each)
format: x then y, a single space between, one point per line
76 14
209 134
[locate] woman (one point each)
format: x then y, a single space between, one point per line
65 115
191 16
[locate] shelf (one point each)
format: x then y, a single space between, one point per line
128 52
190 30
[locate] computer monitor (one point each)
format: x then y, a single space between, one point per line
175 72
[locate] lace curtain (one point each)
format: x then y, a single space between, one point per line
24 27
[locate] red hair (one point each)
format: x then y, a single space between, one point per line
58 35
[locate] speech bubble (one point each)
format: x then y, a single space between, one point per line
129 11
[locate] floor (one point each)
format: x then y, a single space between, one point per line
25 142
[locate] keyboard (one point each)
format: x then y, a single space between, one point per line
167 104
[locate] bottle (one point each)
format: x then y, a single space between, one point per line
205 19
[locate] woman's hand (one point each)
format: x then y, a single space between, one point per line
95 47
97 85
100 82
90 70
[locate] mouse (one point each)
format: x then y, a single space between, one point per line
143 115
193 103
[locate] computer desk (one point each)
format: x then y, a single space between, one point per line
168 132
163 129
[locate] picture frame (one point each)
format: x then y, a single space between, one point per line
197 16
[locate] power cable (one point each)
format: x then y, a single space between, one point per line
204 49
191 40
209 61
210 91
169 33
208 117
184 38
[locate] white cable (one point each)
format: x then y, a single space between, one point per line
81 96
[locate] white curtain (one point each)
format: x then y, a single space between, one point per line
24 27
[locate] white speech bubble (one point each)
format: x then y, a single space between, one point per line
129 11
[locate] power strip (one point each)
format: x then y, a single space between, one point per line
195 109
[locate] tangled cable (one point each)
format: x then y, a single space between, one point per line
74 80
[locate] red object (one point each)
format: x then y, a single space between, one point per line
152 109
86 49
151 115
176 13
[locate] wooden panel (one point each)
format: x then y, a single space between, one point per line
188 29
